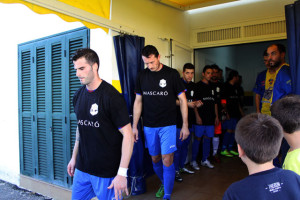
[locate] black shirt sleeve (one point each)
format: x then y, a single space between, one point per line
118 110
178 84
138 89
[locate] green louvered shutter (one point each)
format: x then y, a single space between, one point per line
74 42
47 82
25 110
57 107
42 164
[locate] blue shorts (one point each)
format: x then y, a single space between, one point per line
86 186
160 140
230 124
208 131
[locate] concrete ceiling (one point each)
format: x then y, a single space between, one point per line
192 4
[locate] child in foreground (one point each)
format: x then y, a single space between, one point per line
287 112
259 137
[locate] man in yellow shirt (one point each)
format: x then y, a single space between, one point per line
274 82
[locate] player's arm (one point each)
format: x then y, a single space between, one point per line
137 111
217 114
71 165
190 104
257 102
198 118
241 110
184 133
120 181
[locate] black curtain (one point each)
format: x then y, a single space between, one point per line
129 60
292 14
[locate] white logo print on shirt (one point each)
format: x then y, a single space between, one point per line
162 83
94 109
274 187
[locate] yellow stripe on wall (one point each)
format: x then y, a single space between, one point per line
117 85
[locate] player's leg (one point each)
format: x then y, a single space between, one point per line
100 187
178 155
209 133
226 139
233 122
199 131
216 142
153 144
168 147
82 187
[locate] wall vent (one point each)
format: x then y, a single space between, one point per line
265 29
217 35
239 33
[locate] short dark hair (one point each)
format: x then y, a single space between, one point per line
214 66
260 137
232 73
149 50
280 47
188 66
287 112
89 54
206 67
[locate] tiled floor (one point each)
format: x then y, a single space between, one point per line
205 184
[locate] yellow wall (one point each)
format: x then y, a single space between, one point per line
255 10
152 20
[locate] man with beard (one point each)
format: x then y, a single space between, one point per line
274 82
157 88
104 138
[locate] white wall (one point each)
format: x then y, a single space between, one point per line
20 24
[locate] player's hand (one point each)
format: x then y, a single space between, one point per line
135 134
184 133
120 185
71 167
217 121
199 103
192 104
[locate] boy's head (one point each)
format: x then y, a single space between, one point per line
287 112
259 136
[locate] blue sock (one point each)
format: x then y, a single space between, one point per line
225 140
177 155
206 148
158 168
184 152
169 178
231 141
196 144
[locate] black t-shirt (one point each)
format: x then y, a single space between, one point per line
99 115
205 93
190 93
218 90
159 90
232 100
